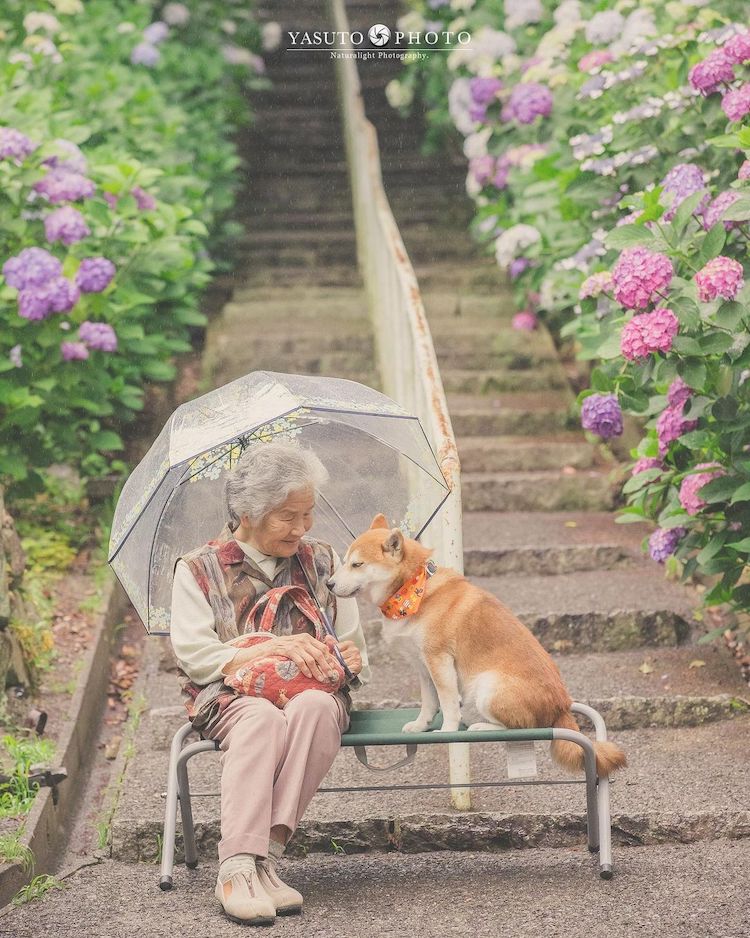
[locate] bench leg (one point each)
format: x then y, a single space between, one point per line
170 809
602 795
186 812
459 769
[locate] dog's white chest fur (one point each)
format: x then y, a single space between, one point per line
404 635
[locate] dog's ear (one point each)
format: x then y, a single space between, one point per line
379 521
394 545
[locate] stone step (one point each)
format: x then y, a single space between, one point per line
345 275
606 610
633 688
494 344
541 543
508 414
570 490
518 453
652 801
284 332
475 381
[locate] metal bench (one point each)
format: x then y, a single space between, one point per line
383 728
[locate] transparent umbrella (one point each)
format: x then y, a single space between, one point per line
377 456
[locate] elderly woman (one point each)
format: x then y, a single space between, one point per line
273 760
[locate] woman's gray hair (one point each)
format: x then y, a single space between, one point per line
264 476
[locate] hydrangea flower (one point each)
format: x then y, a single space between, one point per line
270 34
525 321
678 392
236 55
68 157
14 356
671 423
74 351
98 335
111 199
522 12
513 241
744 171
14 145
663 543
601 414
682 181
145 54
66 224
722 277
594 59
156 32
58 295
595 285
715 69
484 90
645 463
737 49
518 266
482 168
95 274
638 275
603 27
33 267
45 22
527 101
717 208
60 185
176 14
693 483
144 201
736 104
647 333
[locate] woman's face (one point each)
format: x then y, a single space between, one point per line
280 531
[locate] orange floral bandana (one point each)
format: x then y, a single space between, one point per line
408 597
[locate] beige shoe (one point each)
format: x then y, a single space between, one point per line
244 899
286 900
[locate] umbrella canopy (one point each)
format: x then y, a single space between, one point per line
377 456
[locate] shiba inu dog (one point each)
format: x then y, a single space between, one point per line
468 644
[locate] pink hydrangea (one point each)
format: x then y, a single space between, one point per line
525 321
645 463
74 351
722 277
639 274
736 104
144 200
595 285
594 59
717 208
737 49
647 333
715 69
678 392
744 172
671 425
693 483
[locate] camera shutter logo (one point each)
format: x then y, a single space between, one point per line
379 34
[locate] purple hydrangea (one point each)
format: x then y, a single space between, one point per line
74 351
638 275
68 157
14 145
484 90
145 54
14 356
736 104
66 224
645 463
33 267
601 414
61 185
647 333
482 168
518 266
717 208
156 32
95 274
111 199
144 201
714 70
98 335
663 543
58 295
681 181
527 101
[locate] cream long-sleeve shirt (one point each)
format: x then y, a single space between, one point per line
200 652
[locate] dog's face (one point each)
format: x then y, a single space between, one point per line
372 565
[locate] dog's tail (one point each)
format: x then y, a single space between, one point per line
570 755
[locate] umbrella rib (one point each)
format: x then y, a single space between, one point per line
337 514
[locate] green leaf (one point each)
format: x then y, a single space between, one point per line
105 440
742 494
687 311
742 546
687 345
712 548
685 211
693 373
712 244
610 348
725 408
628 235
738 211
718 490
715 343
729 315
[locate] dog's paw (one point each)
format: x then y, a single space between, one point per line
414 726
448 728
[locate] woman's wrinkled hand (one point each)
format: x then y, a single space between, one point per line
349 652
312 657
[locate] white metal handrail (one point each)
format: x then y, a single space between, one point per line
406 355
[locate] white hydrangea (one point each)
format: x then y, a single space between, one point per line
41 22
473 187
513 241
411 22
68 7
125 28
462 4
569 11
475 145
398 94
175 14
604 27
271 36
522 12
555 41
639 25
42 45
481 55
229 27
459 102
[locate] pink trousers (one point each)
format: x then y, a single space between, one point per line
272 762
